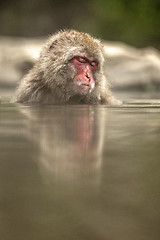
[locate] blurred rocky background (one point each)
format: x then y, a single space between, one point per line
129 29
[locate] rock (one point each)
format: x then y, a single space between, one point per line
17 55
126 67
131 68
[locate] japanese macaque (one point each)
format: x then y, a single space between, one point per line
69 70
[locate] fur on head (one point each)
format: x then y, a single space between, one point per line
51 79
59 51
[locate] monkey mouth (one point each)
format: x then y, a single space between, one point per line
85 86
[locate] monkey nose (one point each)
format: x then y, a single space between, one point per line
88 77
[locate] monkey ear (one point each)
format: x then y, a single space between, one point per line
53 44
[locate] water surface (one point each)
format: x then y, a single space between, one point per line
80 172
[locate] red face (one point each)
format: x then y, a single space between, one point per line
85 67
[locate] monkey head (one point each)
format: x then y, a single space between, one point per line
73 63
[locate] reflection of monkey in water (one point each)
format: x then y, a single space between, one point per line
70 139
69 70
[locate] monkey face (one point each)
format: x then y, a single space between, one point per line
85 68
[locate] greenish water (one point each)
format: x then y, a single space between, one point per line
80 172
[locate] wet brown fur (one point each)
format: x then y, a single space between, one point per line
50 81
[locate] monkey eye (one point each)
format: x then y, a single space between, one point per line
94 64
81 59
